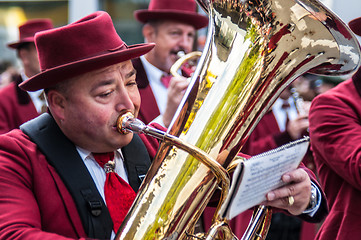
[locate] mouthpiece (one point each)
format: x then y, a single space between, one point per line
181 54
128 123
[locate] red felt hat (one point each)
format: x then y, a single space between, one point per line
178 10
355 25
83 46
28 30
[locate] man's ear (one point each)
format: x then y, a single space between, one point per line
149 32
56 102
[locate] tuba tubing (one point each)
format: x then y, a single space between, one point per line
254 49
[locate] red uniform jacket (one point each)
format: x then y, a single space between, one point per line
16 107
335 131
34 202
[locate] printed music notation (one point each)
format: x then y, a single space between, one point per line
255 177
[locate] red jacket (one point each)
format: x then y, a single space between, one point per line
35 202
335 131
16 107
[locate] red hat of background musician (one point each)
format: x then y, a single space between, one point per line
179 10
355 25
28 30
83 46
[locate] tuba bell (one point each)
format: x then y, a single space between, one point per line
254 49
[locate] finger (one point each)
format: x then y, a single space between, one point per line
178 80
178 85
291 203
294 187
284 192
283 203
297 175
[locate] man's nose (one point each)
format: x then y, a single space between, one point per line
124 101
186 42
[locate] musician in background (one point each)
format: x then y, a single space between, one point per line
8 73
335 132
325 83
172 26
18 106
305 85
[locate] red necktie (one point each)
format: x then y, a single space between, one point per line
285 105
119 195
165 79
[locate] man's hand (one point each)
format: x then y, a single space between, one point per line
298 127
176 89
298 186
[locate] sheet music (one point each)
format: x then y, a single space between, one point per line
260 174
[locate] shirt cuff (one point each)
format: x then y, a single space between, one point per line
312 211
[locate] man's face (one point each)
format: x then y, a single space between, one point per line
93 104
170 37
29 59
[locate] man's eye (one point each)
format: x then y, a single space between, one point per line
175 33
105 94
132 83
191 35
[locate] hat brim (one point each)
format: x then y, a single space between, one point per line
355 25
195 19
15 45
51 77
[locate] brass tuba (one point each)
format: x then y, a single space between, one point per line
254 49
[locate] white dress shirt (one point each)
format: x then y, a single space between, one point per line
38 103
98 174
280 113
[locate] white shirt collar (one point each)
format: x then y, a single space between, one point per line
85 154
153 73
34 95
281 115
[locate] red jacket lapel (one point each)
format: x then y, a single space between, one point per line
148 108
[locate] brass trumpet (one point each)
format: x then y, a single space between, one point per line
254 49
299 102
191 57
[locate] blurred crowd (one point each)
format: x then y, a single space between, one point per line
8 73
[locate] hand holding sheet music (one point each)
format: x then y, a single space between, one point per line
255 177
